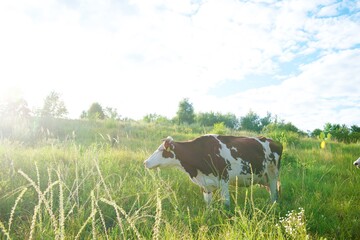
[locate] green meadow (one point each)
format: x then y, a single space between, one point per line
73 179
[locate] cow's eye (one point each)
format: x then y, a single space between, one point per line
167 154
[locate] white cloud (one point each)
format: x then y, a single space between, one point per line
145 56
328 11
327 90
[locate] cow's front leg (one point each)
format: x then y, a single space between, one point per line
207 197
225 194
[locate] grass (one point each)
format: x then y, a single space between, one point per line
89 186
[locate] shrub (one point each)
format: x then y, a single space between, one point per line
219 128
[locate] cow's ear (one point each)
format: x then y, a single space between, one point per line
168 144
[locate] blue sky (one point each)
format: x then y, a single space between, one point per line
299 60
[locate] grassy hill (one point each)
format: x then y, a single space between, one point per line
68 179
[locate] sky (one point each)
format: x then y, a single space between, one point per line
297 59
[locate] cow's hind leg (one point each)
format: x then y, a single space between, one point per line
274 193
225 194
274 184
207 197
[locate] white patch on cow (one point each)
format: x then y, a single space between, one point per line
245 180
207 197
266 146
236 165
208 182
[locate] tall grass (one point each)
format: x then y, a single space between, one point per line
79 190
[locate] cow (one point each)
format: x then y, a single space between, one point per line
357 163
213 161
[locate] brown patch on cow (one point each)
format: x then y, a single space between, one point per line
277 148
167 154
248 149
201 154
168 147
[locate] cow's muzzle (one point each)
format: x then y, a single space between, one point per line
357 163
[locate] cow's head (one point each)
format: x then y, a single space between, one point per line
357 163
164 156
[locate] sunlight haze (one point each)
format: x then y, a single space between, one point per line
299 60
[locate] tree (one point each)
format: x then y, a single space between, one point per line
83 115
206 119
185 113
95 111
340 132
53 106
266 120
230 120
156 118
250 122
355 129
15 108
316 132
111 113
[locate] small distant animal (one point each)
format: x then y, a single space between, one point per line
213 161
357 163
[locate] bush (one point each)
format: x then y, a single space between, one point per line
286 138
219 128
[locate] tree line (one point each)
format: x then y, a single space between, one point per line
54 107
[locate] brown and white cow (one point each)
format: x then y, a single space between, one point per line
357 163
213 161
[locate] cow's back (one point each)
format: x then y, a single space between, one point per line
251 159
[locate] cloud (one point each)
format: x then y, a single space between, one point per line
145 56
324 91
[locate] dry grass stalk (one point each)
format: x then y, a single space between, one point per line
42 198
51 191
5 232
61 208
102 220
33 221
93 222
14 207
128 219
39 199
156 229
85 223
109 196
118 218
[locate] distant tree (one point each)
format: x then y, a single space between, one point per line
250 122
17 108
95 111
155 118
206 119
210 118
316 132
229 120
83 115
266 120
53 106
355 133
355 129
111 113
185 113
340 132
